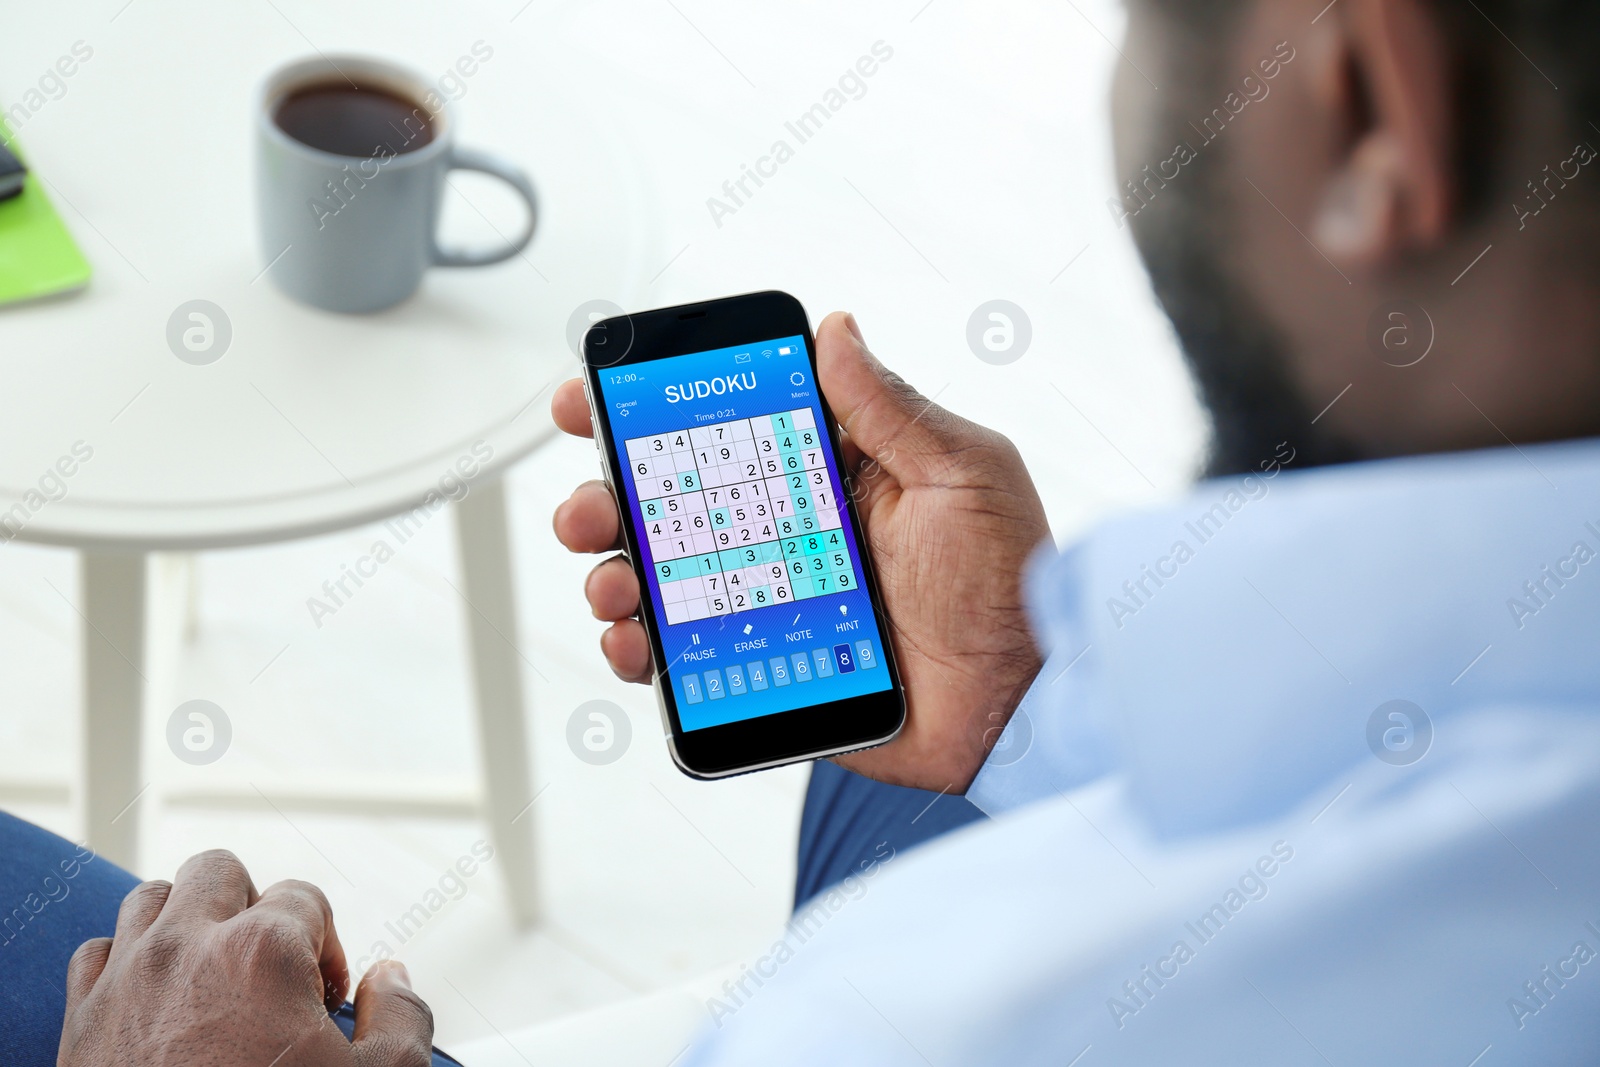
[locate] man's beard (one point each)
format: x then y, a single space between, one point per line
1239 360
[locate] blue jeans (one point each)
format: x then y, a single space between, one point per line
54 896
847 819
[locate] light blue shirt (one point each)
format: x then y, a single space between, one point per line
1218 840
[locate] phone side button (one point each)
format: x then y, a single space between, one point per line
691 688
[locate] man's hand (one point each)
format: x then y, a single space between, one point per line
206 972
951 517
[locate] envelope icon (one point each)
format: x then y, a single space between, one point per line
742 357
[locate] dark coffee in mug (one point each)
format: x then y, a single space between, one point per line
354 120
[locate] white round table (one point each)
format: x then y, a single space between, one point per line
310 421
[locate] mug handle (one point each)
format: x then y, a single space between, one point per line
472 159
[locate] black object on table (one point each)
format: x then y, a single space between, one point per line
12 173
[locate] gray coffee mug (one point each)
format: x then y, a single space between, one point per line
355 233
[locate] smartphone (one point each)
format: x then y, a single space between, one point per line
769 637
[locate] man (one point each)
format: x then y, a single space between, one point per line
204 969
1311 773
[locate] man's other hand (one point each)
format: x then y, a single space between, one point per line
206 972
950 517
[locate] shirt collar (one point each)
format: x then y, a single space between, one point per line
1231 650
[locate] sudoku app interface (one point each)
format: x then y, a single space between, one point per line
753 564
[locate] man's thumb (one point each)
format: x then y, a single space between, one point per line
887 419
394 1026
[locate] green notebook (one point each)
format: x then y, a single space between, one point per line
38 257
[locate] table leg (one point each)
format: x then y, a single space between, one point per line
484 542
114 595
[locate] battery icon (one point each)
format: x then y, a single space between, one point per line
786 351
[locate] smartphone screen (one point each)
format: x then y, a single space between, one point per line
759 599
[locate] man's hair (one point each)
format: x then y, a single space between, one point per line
1551 43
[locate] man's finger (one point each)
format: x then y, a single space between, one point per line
213 885
889 421
394 1026
587 521
627 649
139 910
613 590
570 408
308 910
865 477
85 969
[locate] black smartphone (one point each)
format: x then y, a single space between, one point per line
769 637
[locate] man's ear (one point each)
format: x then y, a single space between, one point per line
1387 82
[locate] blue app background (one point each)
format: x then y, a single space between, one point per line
834 632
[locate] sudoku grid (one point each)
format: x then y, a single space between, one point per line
740 515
